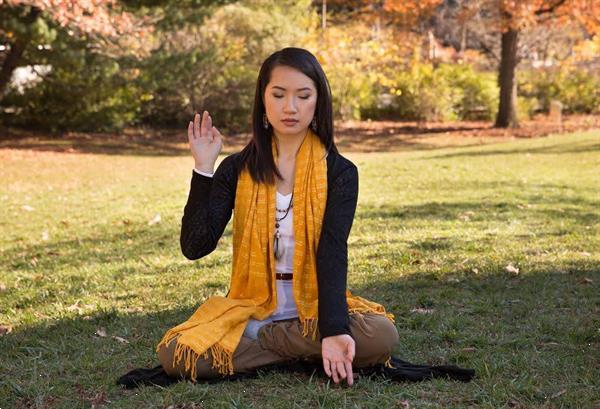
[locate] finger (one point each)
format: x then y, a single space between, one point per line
216 134
349 374
351 351
209 128
190 131
341 370
203 124
197 125
334 372
326 367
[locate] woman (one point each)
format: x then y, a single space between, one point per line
293 197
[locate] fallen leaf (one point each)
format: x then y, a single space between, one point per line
422 310
586 280
75 307
123 340
475 270
585 254
453 280
45 235
101 332
155 220
5 329
469 349
2 287
557 394
512 269
403 404
513 403
27 208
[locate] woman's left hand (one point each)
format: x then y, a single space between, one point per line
338 353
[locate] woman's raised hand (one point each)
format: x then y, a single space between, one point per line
205 142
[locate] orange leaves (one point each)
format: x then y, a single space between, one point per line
410 11
410 7
526 13
90 17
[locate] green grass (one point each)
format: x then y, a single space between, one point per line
434 230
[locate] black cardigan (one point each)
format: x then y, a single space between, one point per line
209 207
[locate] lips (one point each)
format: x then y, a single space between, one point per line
289 121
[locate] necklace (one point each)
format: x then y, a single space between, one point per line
278 254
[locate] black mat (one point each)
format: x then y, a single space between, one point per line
402 371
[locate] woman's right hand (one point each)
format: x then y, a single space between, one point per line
205 142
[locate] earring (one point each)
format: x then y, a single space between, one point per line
313 124
265 121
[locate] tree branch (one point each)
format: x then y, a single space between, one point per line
550 9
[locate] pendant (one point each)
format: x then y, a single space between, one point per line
276 245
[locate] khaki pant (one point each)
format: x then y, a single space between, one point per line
375 336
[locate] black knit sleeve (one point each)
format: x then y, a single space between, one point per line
208 210
332 254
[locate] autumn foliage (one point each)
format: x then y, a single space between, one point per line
100 17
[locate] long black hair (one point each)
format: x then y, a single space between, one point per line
257 156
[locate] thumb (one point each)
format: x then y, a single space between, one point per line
350 351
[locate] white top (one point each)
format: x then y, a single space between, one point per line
286 304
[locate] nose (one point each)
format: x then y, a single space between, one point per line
290 105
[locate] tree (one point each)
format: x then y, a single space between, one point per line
513 20
508 19
27 24
516 16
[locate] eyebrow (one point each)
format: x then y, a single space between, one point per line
299 89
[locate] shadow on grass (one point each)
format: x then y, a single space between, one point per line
558 148
115 145
99 249
543 205
67 360
107 144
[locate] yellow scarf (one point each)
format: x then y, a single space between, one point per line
218 324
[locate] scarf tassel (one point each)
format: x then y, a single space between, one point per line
363 310
309 327
222 360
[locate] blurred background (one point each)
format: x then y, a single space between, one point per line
150 64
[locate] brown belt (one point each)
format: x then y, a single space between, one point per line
284 276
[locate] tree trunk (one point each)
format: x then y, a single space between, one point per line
507 111
17 48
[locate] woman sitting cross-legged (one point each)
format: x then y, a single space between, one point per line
293 198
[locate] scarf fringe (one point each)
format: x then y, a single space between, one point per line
309 327
365 310
222 360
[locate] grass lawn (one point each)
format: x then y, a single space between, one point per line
90 245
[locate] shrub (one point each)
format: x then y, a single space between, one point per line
577 89
423 91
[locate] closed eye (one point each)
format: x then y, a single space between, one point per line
281 96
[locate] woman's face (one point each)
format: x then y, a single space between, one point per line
290 95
